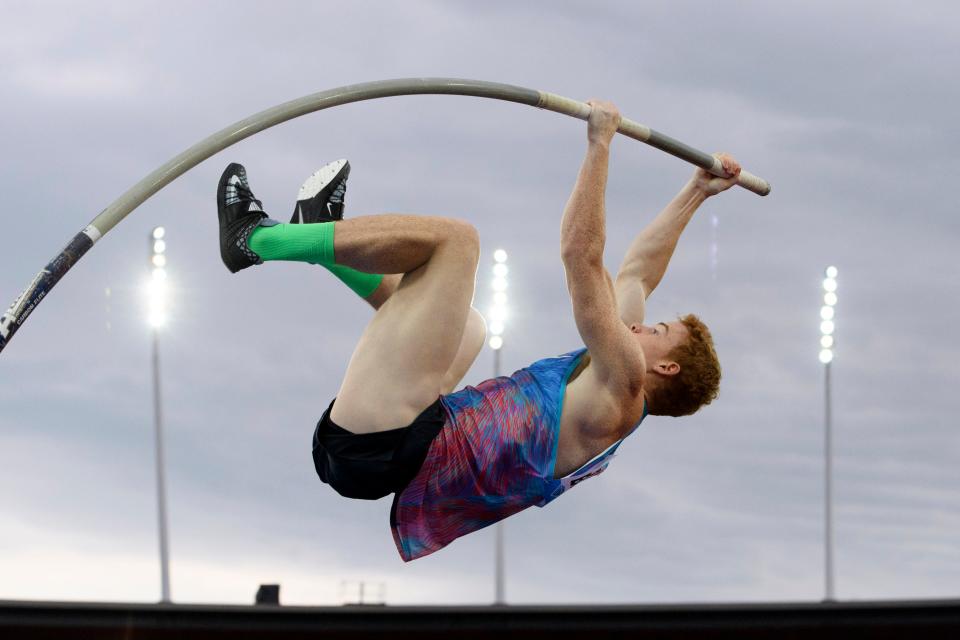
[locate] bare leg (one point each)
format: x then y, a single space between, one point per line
401 363
474 334
386 288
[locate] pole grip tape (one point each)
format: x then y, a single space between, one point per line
581 111
746 179
44 281
643 133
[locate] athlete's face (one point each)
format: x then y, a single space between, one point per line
657 341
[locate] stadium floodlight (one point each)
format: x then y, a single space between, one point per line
827 343
157 317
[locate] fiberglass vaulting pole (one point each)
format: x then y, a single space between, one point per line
41 285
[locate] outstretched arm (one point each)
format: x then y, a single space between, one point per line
618 360
649 254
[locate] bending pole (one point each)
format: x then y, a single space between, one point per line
136 195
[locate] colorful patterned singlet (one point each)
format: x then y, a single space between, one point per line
494 457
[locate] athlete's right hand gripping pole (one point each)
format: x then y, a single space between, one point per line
643 133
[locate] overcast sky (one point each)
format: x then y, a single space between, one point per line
848 108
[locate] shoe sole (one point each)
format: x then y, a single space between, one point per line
320 179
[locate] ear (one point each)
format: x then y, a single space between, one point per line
668 368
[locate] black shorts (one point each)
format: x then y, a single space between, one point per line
370 466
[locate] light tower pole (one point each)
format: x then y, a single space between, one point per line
157 290
497 317
827 343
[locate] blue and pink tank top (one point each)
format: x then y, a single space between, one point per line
494 457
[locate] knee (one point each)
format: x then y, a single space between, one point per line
465 237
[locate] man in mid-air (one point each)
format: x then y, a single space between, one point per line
458 461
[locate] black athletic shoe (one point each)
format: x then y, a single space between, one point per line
240 213
321 196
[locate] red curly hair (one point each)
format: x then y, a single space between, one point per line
698 381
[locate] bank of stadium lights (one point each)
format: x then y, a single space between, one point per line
827 313
498 311
157 317
157 287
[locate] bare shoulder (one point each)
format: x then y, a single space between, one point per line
595 410
593 418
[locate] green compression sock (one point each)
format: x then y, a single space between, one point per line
311 243
362 284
